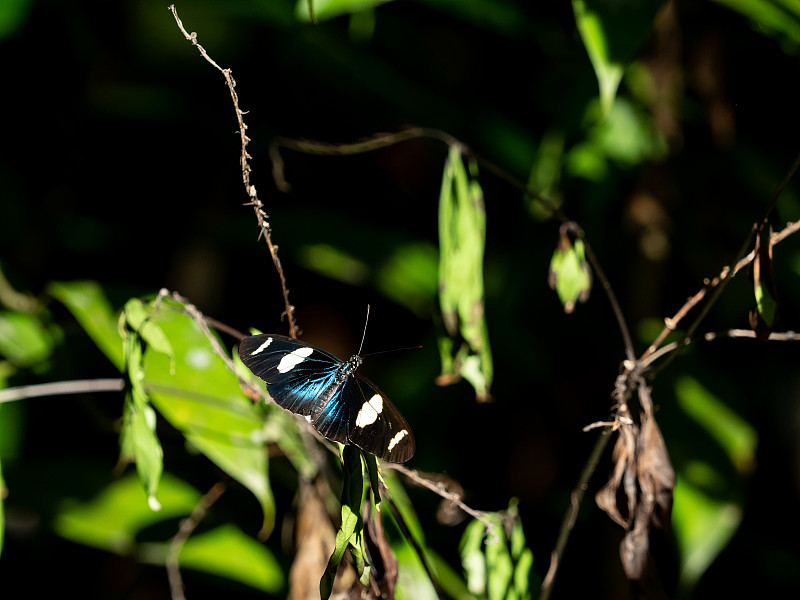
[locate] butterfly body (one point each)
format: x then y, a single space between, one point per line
342 405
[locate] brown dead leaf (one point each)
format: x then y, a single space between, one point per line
315 540
638 495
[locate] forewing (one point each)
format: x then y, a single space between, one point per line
297 374
374 423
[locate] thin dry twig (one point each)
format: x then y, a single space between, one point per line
440 489
250 189
187 526
718 284
59 388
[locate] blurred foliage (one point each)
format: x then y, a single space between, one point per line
660 127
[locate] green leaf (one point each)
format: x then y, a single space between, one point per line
703 525
88 304
374 478
733 434
350 534
324 10
497 568
462 237
24 341
608 71
227 552
569 273
138 440
112 520
200 396
137 315
767 306
779 19
612 33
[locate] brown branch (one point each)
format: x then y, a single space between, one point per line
718 284
568 522
250 189
440 489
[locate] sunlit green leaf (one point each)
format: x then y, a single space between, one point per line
137 315
777 18
201 397
23 338
462 233
334 263
703 525
569 273
627 135
112 520
735 435
612 33
608 71
88 304
329 9
227 552
497 568
349 534
409 276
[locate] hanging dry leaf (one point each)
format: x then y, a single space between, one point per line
315 538
638 495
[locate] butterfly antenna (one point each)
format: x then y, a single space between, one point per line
364 334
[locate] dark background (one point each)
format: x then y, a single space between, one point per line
120 164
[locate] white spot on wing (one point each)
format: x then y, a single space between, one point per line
369 411
396 439
262 347
291 360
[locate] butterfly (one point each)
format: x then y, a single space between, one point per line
341 405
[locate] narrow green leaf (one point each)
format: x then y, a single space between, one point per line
374 478
89 306
613 32
346 530
350 532
703 525
138 440
734 435
607 71
462 233
324 10
767 306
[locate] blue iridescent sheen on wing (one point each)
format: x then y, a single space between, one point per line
341 405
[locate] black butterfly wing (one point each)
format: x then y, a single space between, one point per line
342 406
375 424
299 376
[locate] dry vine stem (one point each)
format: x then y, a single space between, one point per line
255 202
